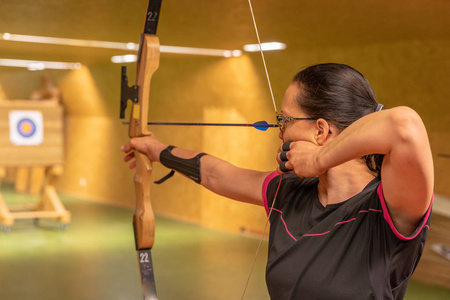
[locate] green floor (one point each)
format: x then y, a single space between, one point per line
95 259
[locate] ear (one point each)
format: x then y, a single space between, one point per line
323 131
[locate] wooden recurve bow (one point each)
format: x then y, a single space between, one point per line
143 218
147 64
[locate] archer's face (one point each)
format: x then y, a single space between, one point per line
296 130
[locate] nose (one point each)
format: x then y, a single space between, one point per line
280 135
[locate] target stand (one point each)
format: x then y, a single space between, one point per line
31 139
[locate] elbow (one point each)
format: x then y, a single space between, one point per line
407 126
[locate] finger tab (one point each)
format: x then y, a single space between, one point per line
286 146
283 167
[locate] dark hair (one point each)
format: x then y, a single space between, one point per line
339 94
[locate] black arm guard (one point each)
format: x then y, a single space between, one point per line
189 167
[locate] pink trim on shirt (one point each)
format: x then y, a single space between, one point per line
285 225
264 189
388 219
316 234
344 222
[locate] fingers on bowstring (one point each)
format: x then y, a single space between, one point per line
283 158
286 146
283 168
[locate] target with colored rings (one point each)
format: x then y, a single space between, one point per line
26 127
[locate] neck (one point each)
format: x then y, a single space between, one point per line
343 182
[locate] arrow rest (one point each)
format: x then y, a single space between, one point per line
127 93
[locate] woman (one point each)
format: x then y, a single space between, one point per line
352 196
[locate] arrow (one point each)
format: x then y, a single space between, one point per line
260 125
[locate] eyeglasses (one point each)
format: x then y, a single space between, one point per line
282 120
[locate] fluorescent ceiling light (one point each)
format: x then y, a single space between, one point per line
119 59
265 47
68 42
200 51
116 45
34 65
135 47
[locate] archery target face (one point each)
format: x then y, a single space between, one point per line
26 127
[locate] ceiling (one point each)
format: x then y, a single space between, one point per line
223 24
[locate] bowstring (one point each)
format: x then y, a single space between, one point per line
261 239
262 56
276 112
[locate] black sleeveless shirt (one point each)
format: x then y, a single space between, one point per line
349 250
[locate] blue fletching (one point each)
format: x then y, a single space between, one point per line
261 125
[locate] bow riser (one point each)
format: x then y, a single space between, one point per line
143 218
147 65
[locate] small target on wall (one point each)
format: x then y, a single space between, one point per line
26 127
